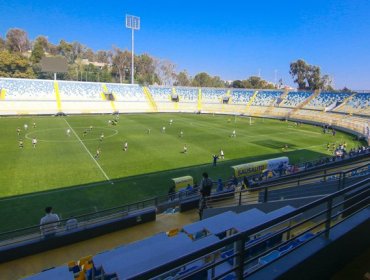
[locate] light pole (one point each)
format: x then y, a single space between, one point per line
133 23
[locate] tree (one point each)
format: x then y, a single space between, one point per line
313 77
182 79
237 84
326 83
165 70
17 40
37 52
15 65
2 44
66 49
121 62
146 70
103 57
202 80
298 70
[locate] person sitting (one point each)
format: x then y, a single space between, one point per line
71 223
49 223
220 185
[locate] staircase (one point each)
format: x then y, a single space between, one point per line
112 104
2 94
199 99
345 101
283 96
273 103
150 99
57 95
305 102
251 101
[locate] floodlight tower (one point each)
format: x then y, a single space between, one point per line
133 23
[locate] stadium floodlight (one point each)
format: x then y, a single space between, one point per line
133 23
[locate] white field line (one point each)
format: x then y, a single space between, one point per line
92 157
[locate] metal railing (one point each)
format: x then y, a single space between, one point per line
171 201
244 253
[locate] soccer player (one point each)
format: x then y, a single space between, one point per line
102 137
125 146
34 142
34 125
25 126
181 134
185 149
233 134
18 131
164 129
91 127
148 131
85 132
20 143
97 155
222 156
171 121
68 132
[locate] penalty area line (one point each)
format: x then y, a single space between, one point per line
92 157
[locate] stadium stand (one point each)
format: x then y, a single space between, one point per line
32 90
161 93
240 96
80 90
213 95
294 98
187 94
326 99
214 247
126 92
266 97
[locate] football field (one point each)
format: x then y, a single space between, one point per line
78 164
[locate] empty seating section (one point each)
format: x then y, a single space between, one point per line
80 90
213 95
325 99
126 92
187 94
359 101
23 89
239 96
266 98
161 93
294 98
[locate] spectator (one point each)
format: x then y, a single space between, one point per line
205 185
49 223
172 192
220 185
71 223
202 206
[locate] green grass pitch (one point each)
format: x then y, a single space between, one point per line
61 170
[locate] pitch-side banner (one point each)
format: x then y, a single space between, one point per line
258 167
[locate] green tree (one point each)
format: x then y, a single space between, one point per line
182 79
2 44
313 77
15 65
145 70
66 49
237 84
202 80
298 70
37 52
17 40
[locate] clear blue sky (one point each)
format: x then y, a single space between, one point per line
232 39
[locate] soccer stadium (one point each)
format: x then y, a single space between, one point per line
156 180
